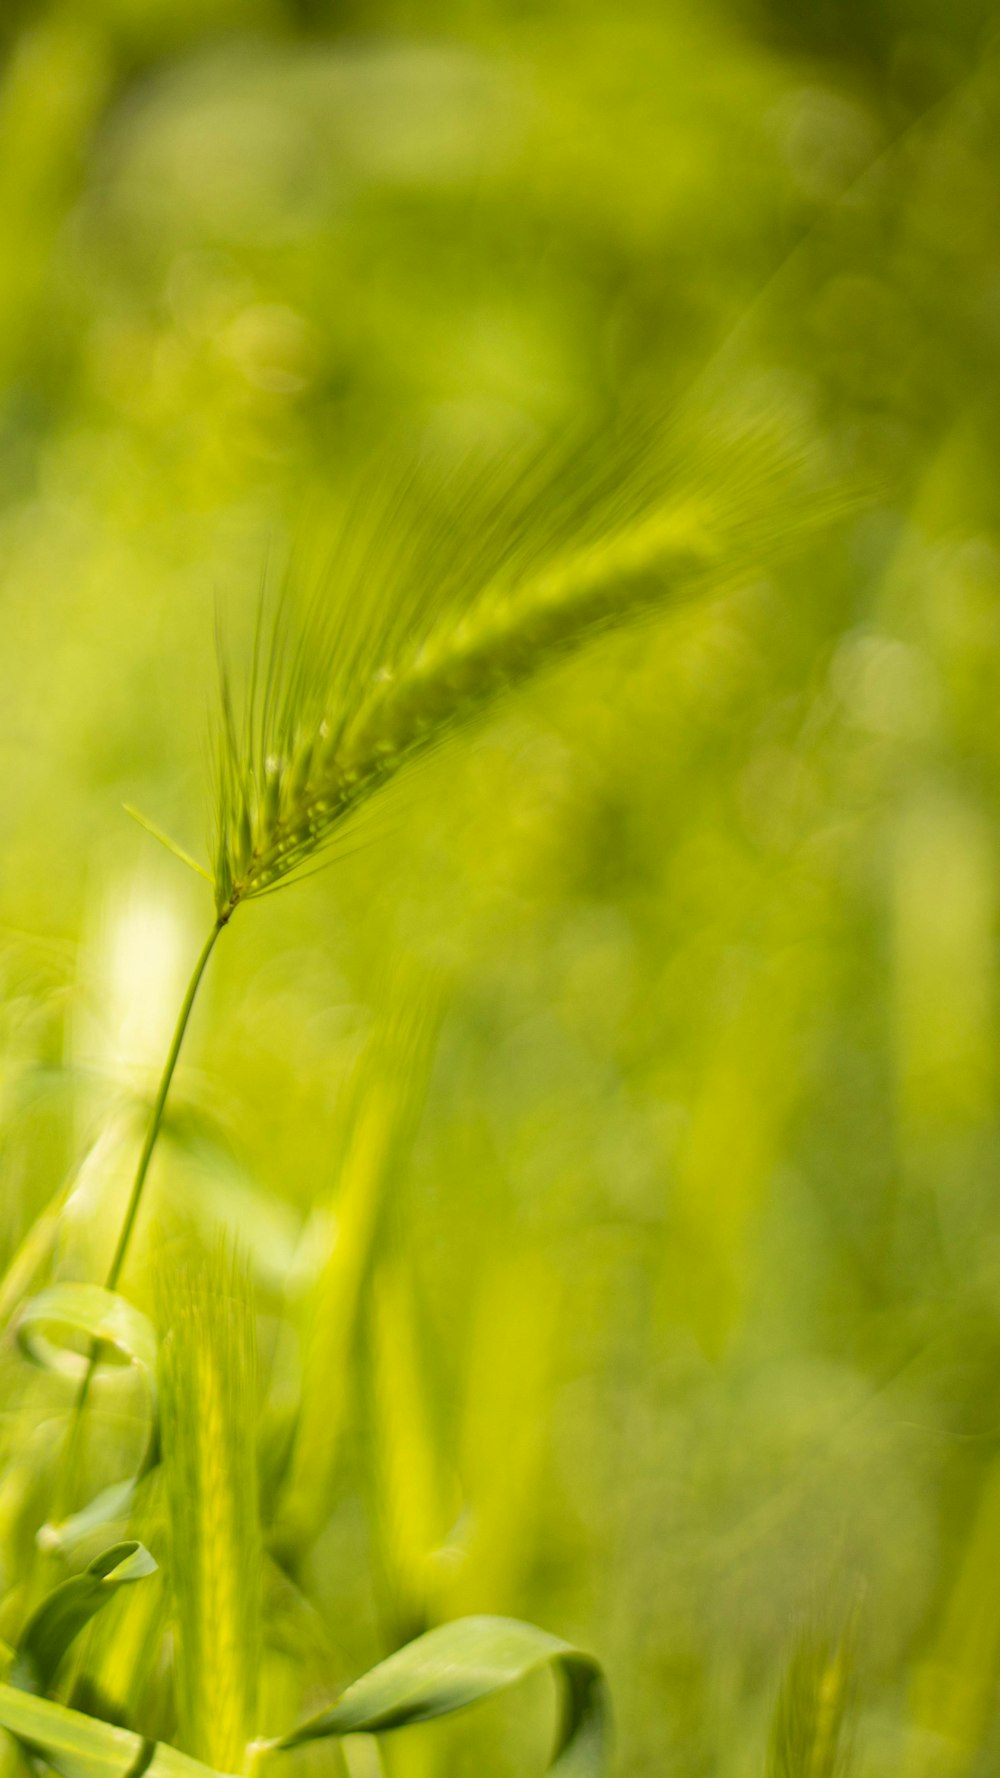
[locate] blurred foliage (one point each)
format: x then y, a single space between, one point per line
614 1136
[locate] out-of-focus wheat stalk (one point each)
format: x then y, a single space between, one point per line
807 1732
209 1415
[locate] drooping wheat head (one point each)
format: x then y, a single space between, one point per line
440 598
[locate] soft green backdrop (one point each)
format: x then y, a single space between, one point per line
683 1327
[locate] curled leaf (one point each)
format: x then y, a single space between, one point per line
461 1663
69 1608
60 1330
97 1317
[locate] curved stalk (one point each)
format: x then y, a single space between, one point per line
72 1447
159 1105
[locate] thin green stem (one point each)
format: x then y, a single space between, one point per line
159 1105
125 1233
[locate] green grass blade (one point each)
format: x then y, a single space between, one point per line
504 1432
415 1497
110 1506
79 1746
954 1689
331 1318
122 1672
34 1253
74 1745
382 1106
169 1762
69 1608
460 1664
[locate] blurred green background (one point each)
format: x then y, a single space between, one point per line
679 1325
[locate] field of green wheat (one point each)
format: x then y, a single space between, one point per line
499 889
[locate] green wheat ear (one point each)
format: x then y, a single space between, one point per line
808 1727
209 1389
442 598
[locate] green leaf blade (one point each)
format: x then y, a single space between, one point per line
74 1745
460 1664
69 1609
80 1746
